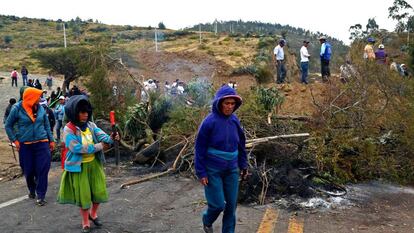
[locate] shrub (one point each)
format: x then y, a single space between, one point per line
262 73
161 26
235 53
202 47
99 29
8 39
128 28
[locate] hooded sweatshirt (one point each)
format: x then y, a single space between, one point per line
220 142
31 118
73 140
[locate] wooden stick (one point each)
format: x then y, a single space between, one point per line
265 139
152 176
293 117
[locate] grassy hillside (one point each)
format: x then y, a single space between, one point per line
294 37
20 36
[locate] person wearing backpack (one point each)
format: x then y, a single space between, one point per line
14 75
34 141
83 179
24 73
325 55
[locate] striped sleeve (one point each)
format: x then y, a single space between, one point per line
75 145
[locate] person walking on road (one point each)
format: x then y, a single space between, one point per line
12 101
220 157
14 75
325 56
59 114
280 61
33 140
24 73
49 113
49 81
304 61
83 178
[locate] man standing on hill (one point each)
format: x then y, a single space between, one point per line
325 55
304 61
14 75
369 49
24 73
280 61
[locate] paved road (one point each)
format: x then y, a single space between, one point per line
174 204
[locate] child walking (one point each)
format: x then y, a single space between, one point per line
83 179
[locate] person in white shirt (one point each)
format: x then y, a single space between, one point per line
304 61
280 61
180 88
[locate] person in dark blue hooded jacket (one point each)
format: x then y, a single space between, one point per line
220 155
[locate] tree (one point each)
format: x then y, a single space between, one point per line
401 11
356 32
371 26
70 62
161 26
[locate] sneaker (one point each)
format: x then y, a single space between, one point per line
96 221
208 229
86 229
32 195
41 202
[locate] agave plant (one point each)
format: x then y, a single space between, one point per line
271 99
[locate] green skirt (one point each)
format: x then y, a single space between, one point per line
85 187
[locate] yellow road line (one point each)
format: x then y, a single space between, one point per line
269 221
295 225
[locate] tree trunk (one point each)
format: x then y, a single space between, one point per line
65 84
269 118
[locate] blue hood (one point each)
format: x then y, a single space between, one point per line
225 92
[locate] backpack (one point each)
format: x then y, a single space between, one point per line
14 74
64 150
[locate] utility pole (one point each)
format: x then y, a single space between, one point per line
199 31
64 34
156 40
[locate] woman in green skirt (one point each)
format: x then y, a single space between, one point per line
83 179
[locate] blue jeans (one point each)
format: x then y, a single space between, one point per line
304 67
35 162
58 127
24 78
221 194
281 71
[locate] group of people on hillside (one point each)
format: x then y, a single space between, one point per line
378 55
381 57
26 81
325 57
177 88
